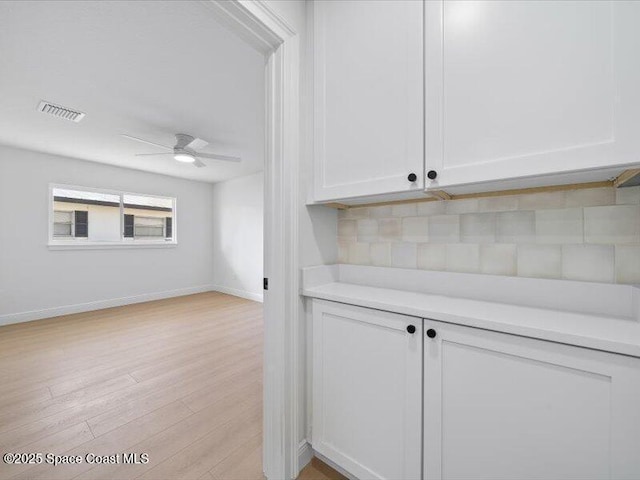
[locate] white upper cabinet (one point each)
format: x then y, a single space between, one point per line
367 403
368 98
528 88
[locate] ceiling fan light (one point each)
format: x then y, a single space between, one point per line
184 157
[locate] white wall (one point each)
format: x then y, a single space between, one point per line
238 218
36 282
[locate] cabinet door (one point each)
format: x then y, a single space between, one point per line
368 97
367 381
528 88
500 406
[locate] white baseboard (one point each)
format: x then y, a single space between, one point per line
305 454
20 317
256 297
335 466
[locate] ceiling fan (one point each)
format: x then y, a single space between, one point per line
185 150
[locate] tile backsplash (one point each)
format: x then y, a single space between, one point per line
589 235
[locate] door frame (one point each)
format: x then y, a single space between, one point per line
258 24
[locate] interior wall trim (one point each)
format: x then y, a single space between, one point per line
20 317
305 454
256 297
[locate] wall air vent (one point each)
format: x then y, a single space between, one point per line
60 112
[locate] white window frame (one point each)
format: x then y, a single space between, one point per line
73 243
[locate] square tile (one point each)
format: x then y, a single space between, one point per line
478 227
404 255
560 225
415 229
588 263
498 259
436 207
541 200
628 196
468 205
343 250
515 227
380 254
463 257
628 264
502 203
359 254
444 228
590 197
390 229
432 256
367 230
541 261
383 211
356 212
404 210
346 228
615 224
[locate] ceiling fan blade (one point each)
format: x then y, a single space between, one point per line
198 164
151 154
197 144
214 156
146 141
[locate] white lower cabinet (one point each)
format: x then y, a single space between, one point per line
477 405
367 402
499 406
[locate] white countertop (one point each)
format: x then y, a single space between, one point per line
597 331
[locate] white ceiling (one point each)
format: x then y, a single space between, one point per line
147 69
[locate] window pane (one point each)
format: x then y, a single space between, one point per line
62 223
148 226
148 221
148 217
137 201
62 229
141 231
62 217
94 216
70 195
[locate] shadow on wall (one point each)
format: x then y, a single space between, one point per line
238 218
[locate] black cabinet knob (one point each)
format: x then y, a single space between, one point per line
432 174
431 333
411 328
412 177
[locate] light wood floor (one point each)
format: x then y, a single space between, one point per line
177 379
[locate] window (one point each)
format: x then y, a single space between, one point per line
148 227
147 217
62 223
85 216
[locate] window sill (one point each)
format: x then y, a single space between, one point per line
108 245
